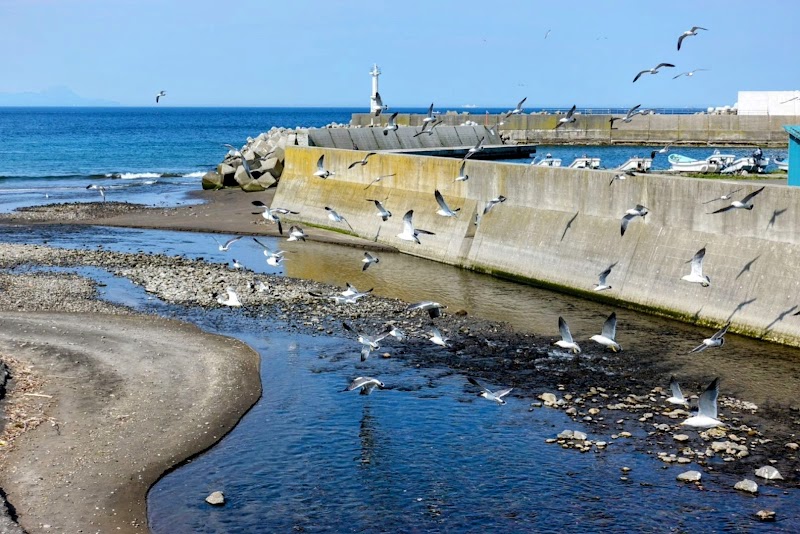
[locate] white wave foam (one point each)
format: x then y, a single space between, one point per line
133 175
198 174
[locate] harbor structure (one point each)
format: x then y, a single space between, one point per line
374 105
794 154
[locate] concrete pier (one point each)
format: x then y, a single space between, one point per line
561 227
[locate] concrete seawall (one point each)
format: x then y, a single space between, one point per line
561 228
700 129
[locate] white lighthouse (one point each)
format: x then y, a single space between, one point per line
375 103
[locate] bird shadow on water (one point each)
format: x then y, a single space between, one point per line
781 316
569 225
746 268
739 308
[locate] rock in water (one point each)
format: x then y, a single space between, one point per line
765 515
768 472
216 498
746 485
548 398
690 476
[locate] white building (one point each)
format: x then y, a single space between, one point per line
783 103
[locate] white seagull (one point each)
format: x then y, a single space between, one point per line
159 95
608 335
517 110
717 340
654 70
746 203
434 309
727 196
697 275
628 116
429 117
492 203
232 300
366 383
665 149
392 125
622 175
236 265
379 104
602 285
362 162
238 154
706 416
224 247
383 213
486 393
444 210
351 290
462 176
296 233
321 171
566 341
689 33
474 150
335 217
569 117
638 211
274 258
410 233
688 74
436 337
379 178
677 395
100 189
369 343
269 214
368 260
427 128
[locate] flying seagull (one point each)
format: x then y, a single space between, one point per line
717 340
368 260
697 275
392 125
274 258
224 247
638 211
434 309
437 338
269 214
462 176
232 299
654 70
429 117
677 395
366 383
379 178
296 233
159 95
410 233
608 334
427 128
724 197
351 290
689 33
628 116
492 203
746 203
569 117
236 265
486 393
706 416
335 217
100 189
622 175
321 171
517 110
601 285
688 74
474 150
361 162
238 154
665 149
444 210
383 213
566 341
379 104
369 343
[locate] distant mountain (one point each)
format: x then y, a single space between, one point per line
54 96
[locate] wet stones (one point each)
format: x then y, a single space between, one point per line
765 515
768 472
747 486
216 499
690 476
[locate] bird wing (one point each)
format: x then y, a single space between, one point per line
695 28
680 40
564 329
392 118
479 143
321 163
707 404
430 110
571 112
266 248
408 226
365 350
722 331
697 262
701 347
679 75
519 106
232 240
675 388
354 164
359 382
350 329
503 392
632 111
726 208
610 326
640 73
625 220
664 65
441 202
478 384
604 275
749 197
378 99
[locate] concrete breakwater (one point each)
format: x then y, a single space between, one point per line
561 227
687 130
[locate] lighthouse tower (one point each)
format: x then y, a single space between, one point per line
374 105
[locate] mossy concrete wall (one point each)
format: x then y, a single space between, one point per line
699 129
561 227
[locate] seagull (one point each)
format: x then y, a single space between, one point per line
296 234
688 74
746 203
273 258
654 70
462 176
383 213
379 104
398 334
238 154
232 300
724 197
566 341
261 286
236 265
361 162
429 117
335 217
410 233
688 33
159 95
665 149
379 178
609 332
601 285
351 290
427 128
546 34
486 393
369 343
474 150
569 117
717 340
368 260
100 189
677 395
269 214
227 245
492 203
628 116
436 337
321 171
392 125
622 176
697 275
706 415
434 309
341 298
366 383
444 210
638 211
517 110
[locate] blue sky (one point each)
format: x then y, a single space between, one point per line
319 52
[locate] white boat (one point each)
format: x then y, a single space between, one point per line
636 164
744 165
783 164
680 163
585 162
722 160
548 161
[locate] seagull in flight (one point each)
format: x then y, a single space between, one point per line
638 211
321 171
379 104
462 176
569 117
474 150
410 233
429 117
296 233
622 175
236 265
427 128
665 149
746 203
654 70
566 341
392 125
368 260
100 189
486 393
379 178
706 416
517 110
369 343
601 285
492 203
677 395
628 116
224 247
717 340
159 95
335 217
688 74
724 197
366 383
383 213
697 275
361 162
437 339
434 309
689 33
237 153
444 210
351 290
269 214
344 297
608 334
274 258
231 300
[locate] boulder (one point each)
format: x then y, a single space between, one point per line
212 180
690 476
216 498
746 485
768 472
224 169
241 176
